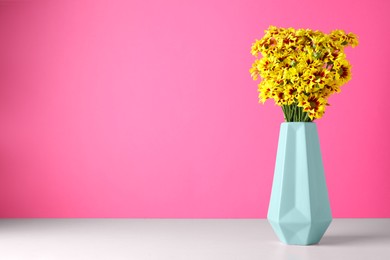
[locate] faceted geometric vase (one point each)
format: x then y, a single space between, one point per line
299 210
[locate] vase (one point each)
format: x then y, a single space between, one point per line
299 210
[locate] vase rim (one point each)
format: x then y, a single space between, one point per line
298 122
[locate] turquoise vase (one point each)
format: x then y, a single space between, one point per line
299 210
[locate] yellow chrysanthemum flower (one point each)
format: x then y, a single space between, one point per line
301 69
313 105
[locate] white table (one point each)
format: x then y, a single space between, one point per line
184 239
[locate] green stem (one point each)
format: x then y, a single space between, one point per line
294 113
284 112
289 113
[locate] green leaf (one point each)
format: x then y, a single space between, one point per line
293 63
317 55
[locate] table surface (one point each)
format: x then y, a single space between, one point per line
187 239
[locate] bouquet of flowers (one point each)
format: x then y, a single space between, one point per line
300 69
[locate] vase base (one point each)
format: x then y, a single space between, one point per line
295 233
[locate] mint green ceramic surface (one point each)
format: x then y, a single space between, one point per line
299 210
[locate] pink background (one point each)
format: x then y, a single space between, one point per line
147 109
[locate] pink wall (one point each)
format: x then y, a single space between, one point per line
147 109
